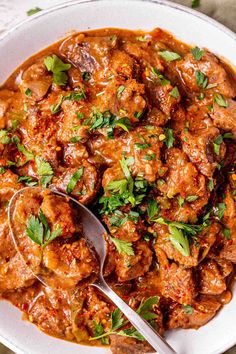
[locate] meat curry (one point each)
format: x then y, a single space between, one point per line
141 128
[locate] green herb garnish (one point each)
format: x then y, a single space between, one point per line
74 179
38 230
197 53
169 56
54 64
33 11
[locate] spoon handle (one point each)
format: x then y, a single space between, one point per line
142 326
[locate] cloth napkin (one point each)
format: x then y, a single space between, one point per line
13 11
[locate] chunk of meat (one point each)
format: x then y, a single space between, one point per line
125 345
161 97
204 309
210 66
87 53
211 280
130 267
177 282
70 262
183 177
124 227
49 309
198 145
87 185
37 79
126 97
225 118
69 124
59 213
14 273
141 51
198 251
228 251
74 154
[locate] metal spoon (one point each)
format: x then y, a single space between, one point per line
94 232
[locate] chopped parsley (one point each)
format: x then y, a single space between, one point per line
38 230
73 96
181 232
28 92
156 73
86 76
74 179
169 56
175 92
33 11
169 141
120 90
55 65
152 209
220 100
4 137
191 198
216 144
197 53
141 146
220 210
149 157
123 246
28 180
44 171
195 4
226 233
145 310
202 79
188 309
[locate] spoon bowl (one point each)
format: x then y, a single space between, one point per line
93 232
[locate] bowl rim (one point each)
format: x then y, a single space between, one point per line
70 3
166 3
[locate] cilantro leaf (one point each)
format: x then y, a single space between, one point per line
28 180
201 78
33 11
169 56
197 53
179 241
2 170
169 141
54 64
43 167
175 92
123 246
38 230
124 123
120 90
220 210
35 230
220 100
152 209
117 319
4 137
44 170
131 332
195 4
119 186
74 179
145 309
191 198
227 234
188 309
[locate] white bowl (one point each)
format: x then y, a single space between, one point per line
49 26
